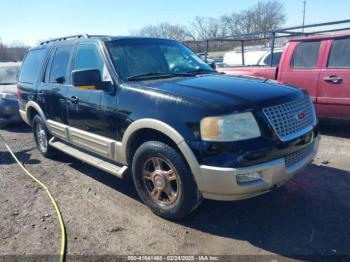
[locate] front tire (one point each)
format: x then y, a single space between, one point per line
163 181
42 137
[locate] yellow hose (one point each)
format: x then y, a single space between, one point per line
59 216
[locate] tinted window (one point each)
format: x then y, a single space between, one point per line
47 72
340 54
275 61
306 55
58 73
89 57
31 65
48 66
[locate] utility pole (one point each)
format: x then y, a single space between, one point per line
304 3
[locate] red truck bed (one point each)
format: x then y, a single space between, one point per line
258 71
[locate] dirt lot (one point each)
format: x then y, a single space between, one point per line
103 215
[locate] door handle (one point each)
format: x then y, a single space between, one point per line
333 79
74 99
40 93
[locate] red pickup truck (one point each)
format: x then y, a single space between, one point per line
319 64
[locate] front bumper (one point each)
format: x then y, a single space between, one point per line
221 184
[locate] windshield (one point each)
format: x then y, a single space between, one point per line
152 58
8 75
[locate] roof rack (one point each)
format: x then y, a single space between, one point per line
65 38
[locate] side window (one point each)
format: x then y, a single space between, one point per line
59 66
306 55
275 61
339 56
48 66
47 72
31 66
267 60
89 57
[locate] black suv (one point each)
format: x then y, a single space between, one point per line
153 107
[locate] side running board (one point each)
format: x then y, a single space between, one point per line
89 159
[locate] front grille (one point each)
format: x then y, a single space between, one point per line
284 118
297 156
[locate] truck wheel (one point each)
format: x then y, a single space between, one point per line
42 137
163 181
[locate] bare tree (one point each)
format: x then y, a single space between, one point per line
199 28
208 27
15 52
262 17
165 30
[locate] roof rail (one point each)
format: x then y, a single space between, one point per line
65 38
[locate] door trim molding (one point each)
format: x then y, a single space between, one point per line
341 101
97 144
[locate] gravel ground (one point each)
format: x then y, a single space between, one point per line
104 216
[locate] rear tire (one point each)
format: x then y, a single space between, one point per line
163 181
42 137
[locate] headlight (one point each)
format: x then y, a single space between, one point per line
229 128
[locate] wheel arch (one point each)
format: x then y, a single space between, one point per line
143 135
147 124
33 108
165 131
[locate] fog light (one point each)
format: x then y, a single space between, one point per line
249 177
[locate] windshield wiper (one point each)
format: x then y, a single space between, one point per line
156 74
200 71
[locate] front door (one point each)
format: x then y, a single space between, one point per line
304 68
84 104
334 89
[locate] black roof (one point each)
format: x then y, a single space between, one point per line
99 37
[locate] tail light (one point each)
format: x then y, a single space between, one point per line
18 92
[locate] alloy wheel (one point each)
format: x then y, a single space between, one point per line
161 181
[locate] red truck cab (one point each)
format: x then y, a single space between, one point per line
319 64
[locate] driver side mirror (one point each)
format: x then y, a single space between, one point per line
212 65
88 78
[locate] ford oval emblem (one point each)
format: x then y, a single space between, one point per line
301 116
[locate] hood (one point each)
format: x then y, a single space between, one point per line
228 92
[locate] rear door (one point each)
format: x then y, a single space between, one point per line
52 91
334 82
301 67
30 74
